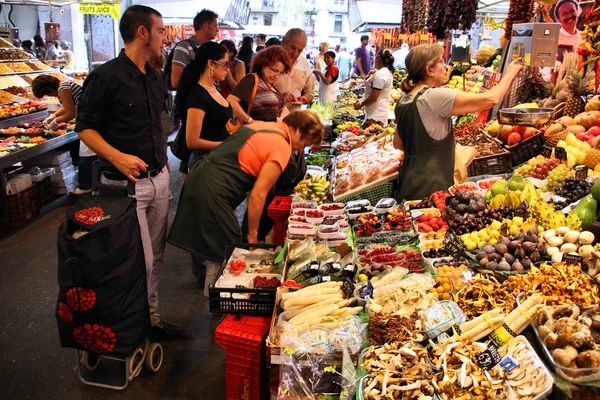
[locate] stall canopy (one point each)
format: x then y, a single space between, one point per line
366 15
497 9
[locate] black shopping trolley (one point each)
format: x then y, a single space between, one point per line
102 309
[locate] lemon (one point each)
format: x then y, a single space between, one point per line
514 229
518 221
470 245
363 278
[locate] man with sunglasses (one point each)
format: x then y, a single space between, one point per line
298 86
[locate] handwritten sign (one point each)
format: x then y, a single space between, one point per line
572 259
112 9
560 153
489 358
581 172
453 246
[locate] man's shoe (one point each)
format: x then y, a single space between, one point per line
79 192
166 329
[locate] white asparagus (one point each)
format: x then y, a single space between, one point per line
467 326
524 308
315 292
523 322
306 316
349 312
306 301
484 329
293 311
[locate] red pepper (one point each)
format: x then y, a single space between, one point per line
597 77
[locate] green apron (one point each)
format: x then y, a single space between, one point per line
205 221
428 163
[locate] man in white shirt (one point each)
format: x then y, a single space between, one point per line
344 62
567 12
400 56
298 86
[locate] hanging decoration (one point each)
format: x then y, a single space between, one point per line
414 15
447 15
393 38
520 11
589 48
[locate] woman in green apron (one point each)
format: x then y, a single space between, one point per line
251 160
424 120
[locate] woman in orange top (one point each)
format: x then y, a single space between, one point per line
252 161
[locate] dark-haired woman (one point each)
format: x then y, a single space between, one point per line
236 72
268 103
378 89
68 93
203 110
423 116
245 54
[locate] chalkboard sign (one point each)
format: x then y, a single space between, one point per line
366 291
547 151
453 246
560 153
572 259
489 358
581 172
348 288
521 211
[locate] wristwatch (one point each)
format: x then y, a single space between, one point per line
250 120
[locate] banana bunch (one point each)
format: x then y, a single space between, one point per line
529 193
315 188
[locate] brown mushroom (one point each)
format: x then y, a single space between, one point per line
580 340
589 359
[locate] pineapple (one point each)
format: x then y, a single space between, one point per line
592 158
575 104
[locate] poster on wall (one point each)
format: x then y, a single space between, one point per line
52 31
571 16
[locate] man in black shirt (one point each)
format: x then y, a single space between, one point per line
119 118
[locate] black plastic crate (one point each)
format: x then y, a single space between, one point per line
259 302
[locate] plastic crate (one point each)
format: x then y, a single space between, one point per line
243 338
255 302
45 191
279 211
23 207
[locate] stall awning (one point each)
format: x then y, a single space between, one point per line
364 15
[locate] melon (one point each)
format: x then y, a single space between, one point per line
484 52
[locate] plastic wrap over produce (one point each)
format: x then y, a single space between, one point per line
320 363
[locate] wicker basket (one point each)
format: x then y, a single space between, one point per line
527 149
552 140
490 165
23 207
559 109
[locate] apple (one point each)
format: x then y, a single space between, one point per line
506 131
597 123
592 142
519 129
594 131
529 132
581 136
514 138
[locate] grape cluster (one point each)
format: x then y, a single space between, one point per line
542 170
573 190
557 177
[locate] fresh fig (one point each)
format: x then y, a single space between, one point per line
535 256
517 266
529 247
483 262
481 255
504 240
503 265
512 246
534 230
501 249
541 247
496 257
519 235
509 258
520 253
488 248
531 238
526 263
493 265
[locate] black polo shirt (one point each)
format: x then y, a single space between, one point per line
123 105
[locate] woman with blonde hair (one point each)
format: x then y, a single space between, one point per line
423 117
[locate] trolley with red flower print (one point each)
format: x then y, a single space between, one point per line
102 308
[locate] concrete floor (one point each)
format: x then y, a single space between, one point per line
34 366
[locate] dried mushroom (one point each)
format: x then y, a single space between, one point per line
482 295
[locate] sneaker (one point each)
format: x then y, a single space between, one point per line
165 329
79 192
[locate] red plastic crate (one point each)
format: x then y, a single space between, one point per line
280 207
243 338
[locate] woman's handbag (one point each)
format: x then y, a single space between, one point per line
235 123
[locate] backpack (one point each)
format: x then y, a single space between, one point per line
169 64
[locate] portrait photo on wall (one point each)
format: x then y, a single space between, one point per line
571 16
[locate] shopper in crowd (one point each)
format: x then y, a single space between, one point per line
51 51
251 160
567 12
272 42
67 55
27 47
344 63
40 47
298 86
328 80
206 28
362 58
203 111
260 41
117 118
319 61
68 93
245 54
236 70
400 56
378 89
268 103
17 43
424 126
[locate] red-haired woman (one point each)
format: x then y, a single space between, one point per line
269 103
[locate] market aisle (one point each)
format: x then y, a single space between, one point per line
33 365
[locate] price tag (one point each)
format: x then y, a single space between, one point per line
489 358
417 214
521 211
314 265
547 151
560 153
572 259
509 364
366 291
348 288
581 172
453 246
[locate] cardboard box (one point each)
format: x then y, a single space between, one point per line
63 174
18 183
67 181
50 158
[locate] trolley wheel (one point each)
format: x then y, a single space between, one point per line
154 357
134 360
90 361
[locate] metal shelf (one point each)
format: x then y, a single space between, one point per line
25 154
29 72
23 119
26 60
